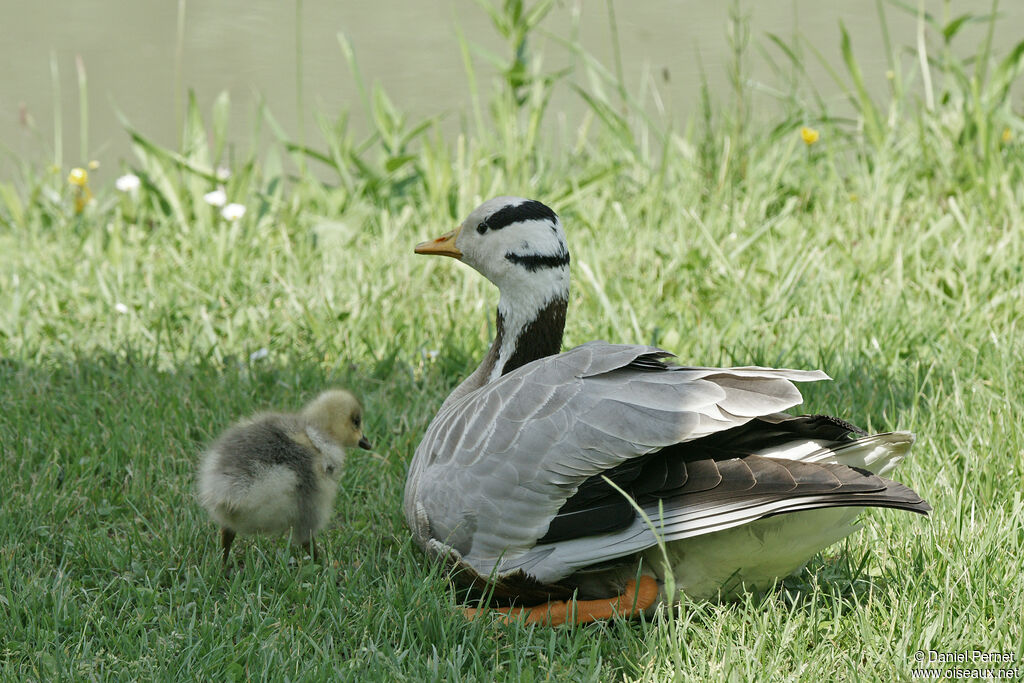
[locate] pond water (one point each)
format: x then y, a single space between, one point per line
135 63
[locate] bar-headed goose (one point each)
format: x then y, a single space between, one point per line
518 483
279 472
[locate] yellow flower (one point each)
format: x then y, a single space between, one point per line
809 135
1007 135
82 199
93 165
78 177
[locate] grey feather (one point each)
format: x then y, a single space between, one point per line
500 443
518 482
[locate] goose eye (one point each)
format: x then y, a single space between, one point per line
356 420
330 469
481 228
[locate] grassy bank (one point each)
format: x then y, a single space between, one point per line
134 327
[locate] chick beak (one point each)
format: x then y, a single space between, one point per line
442 246
365 444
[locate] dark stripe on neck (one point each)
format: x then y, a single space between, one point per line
527 211
541 338
534 262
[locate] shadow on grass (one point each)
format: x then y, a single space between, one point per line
100 452
115 555
873 395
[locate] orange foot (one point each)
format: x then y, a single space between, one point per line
632 601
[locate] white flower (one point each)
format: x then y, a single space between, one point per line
216 198
259 354
223 173
232 212
129 182
120 308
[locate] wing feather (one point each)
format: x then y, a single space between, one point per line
495 466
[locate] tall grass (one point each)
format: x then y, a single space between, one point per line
888 253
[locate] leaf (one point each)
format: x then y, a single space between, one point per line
353 67
538 12
309 152
416 131
13 203
954 26
221 112
615 123
1005 73
395 163
166 154
872 121
156 176
193 145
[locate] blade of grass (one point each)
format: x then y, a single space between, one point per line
83 111
58 109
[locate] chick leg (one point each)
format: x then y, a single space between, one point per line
634 599
226 537
303 535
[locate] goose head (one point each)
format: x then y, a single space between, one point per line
518 245
337 416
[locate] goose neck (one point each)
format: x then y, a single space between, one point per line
525 336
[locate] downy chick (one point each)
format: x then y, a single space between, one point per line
279 472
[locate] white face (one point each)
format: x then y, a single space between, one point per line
517 244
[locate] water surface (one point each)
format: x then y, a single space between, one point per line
129 50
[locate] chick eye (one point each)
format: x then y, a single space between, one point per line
482 227
356 420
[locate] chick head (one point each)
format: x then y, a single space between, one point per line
338 415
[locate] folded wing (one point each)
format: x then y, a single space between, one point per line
495 468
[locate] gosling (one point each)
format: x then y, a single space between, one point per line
279 472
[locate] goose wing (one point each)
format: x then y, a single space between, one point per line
494 468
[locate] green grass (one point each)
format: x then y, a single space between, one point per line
889 254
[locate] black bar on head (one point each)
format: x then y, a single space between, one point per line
529 210
533 262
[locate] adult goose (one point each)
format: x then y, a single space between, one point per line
529 479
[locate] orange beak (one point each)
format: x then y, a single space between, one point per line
442 246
